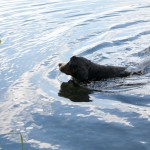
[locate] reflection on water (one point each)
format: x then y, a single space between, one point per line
36 36
74 92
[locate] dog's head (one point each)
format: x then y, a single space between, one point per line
77 67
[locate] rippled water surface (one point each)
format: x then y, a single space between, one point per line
43 105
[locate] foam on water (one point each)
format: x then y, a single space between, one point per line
145 65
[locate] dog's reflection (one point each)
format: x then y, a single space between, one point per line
74 92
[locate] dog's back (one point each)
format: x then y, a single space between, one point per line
99 72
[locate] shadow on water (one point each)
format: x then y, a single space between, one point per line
74 92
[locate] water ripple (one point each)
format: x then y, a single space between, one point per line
128 24
35 99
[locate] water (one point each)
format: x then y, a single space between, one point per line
44 106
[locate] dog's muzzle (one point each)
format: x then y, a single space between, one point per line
60 64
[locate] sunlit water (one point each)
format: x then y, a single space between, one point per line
44 106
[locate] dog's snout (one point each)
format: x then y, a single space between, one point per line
60 64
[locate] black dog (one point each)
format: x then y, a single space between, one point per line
83 70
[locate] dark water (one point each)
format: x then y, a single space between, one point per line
44 106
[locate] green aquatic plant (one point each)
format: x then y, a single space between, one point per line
0 41
21 138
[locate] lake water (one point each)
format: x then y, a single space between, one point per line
43 105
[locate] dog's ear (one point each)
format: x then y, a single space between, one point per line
80 73
79 70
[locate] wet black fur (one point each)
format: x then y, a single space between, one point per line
84 70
